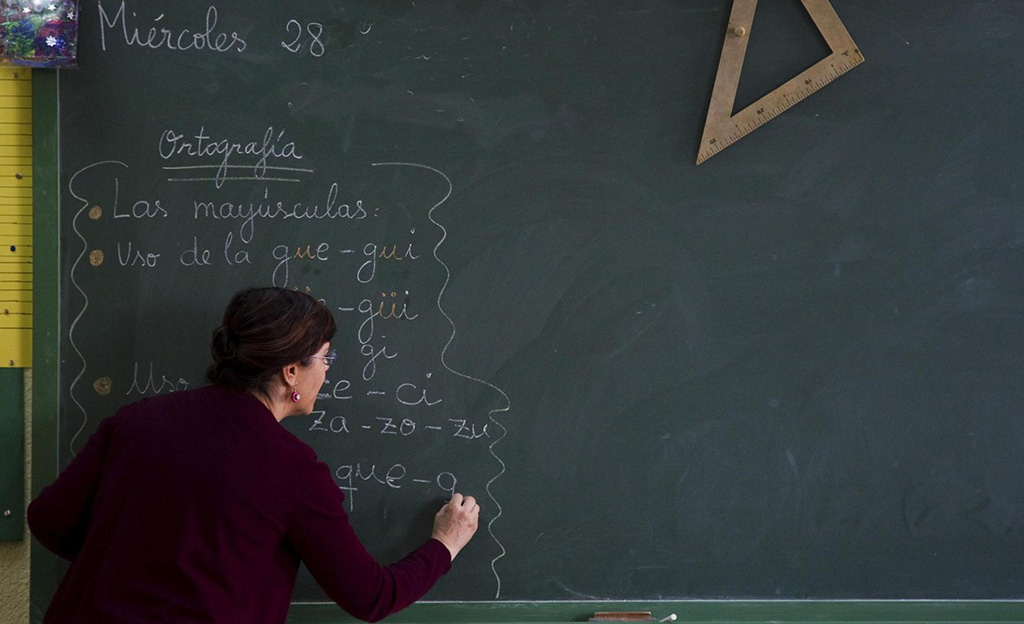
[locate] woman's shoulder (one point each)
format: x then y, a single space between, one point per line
210 409
178 400
255 413
220 411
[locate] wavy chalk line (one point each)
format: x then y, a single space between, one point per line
451 339
74 280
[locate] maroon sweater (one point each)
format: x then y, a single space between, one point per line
197 507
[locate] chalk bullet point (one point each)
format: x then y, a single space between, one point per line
102 386
96 257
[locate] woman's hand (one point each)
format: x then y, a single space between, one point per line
456 522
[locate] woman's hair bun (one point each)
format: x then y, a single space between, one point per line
224 344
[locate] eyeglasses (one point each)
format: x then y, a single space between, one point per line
329 358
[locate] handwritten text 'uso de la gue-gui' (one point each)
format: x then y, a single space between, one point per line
164 31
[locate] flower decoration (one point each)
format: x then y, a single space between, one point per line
37 34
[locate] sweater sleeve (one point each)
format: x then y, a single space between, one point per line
320 532
59 516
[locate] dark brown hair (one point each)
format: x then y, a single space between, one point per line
265 329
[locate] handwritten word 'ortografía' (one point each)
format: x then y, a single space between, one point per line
202 145
248 212
178 39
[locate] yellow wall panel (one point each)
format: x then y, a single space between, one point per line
15 218
9 150
12 87
15 139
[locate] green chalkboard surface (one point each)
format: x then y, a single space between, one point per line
792 372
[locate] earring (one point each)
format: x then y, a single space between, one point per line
296 397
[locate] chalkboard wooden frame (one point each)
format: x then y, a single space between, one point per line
700 611
47 569
12 455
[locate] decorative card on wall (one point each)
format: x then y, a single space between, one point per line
39 33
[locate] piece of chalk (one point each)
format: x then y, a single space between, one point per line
671 618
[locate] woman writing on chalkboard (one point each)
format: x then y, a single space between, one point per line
198 506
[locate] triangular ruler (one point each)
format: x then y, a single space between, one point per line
722 127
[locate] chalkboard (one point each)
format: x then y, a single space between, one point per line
791 372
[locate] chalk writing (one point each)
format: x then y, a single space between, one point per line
240 256
249 212
194 256
315 30
321 237
142 209
372 355
176 39
351 476
368 269
459 428
134 257
411 395
337 424
201 145
149 385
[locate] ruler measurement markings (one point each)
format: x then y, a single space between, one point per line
844 57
